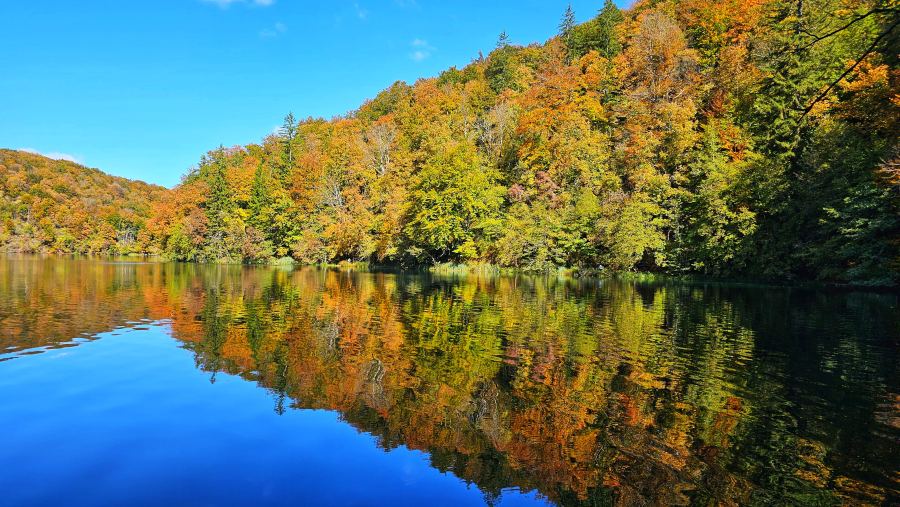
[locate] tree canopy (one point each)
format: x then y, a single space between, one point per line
729 138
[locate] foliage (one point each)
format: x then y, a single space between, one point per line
59 206
454 204
734 138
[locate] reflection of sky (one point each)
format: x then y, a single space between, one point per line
130 417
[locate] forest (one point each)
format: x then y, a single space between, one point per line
59 206
730 138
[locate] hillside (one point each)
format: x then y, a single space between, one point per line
723 138
728 138
59 206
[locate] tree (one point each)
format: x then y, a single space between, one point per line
454 206
567 24
287 133
607 40
502 71
218 204
260 197
631 230
380 138
598 34
713 227
663 67
502 40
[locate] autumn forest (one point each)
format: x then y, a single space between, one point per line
734 138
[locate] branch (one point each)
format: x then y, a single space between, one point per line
819 38
848 71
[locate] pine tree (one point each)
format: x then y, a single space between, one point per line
607 20
598 34
502 40
260 198
218 202
567 24
288 133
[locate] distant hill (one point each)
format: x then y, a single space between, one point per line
58 206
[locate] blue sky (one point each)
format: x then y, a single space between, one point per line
142 88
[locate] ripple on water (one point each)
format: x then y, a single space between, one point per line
224 381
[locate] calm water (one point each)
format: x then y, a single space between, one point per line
173 384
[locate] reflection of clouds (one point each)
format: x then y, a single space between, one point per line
412 471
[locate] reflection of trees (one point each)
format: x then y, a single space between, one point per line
47 302
592 393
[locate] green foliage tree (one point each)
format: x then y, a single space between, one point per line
287 133
598 34
712 227
454 206
567 24
502 68
219 204
260 196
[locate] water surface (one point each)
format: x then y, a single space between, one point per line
179 384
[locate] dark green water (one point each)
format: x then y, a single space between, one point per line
174 384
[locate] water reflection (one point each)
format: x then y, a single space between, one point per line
590 392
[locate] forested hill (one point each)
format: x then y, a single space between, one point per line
49 205
727 137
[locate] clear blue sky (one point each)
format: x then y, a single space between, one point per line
142 88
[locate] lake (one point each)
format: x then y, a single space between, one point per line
133 383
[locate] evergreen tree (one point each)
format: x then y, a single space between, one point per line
218 202
598 34
288 133
607 40
502 40
218 207
260 198
567 24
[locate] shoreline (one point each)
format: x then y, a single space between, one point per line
490 270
